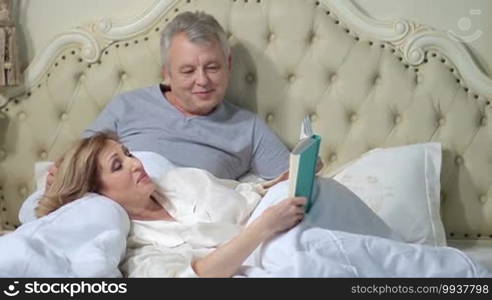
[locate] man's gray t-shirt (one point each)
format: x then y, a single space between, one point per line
229 142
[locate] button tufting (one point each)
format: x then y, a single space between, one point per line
459 160
43 155
123 76
333 77
250 78
313 117
333 157
292 78
82 77
441 121
420 78
3 154
271 37
23 191
483 199
398 119
353 117
313 38
270 117
22 116
64 117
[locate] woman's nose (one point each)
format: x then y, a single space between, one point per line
136 163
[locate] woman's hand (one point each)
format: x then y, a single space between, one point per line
282 216
50 178
227 258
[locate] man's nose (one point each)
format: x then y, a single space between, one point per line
202 77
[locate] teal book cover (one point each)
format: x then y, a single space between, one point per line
303 168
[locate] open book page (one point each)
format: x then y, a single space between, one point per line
306 128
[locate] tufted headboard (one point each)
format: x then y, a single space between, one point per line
365 84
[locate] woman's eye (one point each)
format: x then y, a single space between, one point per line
116 166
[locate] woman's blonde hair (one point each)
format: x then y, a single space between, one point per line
77 173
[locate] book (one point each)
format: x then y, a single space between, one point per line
302 165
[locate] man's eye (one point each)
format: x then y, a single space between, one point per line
187 71
213 68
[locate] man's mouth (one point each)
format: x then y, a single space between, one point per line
203 93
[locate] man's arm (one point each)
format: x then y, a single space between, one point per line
107 120
270 156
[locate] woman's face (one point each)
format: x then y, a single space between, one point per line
123 177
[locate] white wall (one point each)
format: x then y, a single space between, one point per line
41 20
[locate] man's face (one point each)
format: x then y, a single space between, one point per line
198 74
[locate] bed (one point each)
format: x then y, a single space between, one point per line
365 84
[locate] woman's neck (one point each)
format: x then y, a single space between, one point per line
152 211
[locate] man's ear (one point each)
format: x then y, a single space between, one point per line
229 63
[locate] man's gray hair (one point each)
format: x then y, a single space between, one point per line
199 27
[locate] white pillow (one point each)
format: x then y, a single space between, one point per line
402 185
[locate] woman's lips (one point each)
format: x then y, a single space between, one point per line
143 177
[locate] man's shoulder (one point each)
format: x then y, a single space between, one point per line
234 109
144 92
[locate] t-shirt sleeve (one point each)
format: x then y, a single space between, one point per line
152 261
107 120
270 155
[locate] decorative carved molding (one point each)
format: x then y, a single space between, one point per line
113 30
3 100
414 40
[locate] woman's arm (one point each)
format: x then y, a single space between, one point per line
227 258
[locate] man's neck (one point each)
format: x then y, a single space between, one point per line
166 91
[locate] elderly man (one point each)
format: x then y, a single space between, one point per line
186 119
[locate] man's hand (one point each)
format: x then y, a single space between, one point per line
319 164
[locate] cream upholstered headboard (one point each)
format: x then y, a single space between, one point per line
365 84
